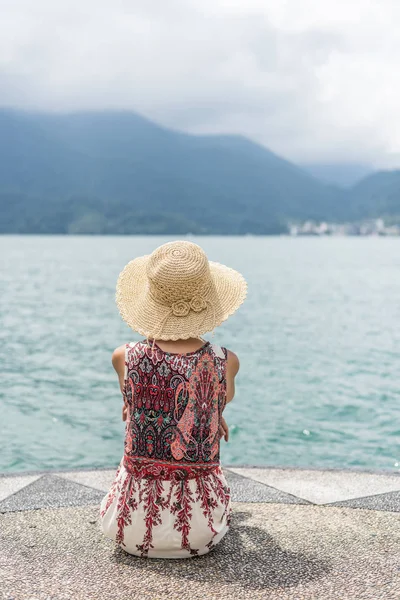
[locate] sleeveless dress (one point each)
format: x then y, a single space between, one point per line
169 497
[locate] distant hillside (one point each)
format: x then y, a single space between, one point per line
116 172
377 195
344 175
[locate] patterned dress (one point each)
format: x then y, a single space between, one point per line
169 497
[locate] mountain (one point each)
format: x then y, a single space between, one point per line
117 172
377 196
344 175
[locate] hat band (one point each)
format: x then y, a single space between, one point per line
181 308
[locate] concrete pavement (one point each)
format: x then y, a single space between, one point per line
296 534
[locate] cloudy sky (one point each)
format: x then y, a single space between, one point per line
313 80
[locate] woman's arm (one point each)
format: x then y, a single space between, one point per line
232 367
118 362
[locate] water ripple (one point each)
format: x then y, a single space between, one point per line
317 340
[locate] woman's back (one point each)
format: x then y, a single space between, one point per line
170 479
175 403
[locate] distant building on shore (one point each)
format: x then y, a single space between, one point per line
368 227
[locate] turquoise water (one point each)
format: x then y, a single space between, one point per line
318 339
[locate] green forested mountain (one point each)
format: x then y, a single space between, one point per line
116 172
377 195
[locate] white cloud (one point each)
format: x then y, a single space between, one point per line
312 80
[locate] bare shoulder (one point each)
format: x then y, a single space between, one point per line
232 362
118 357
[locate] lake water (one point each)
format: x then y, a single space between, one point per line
318 339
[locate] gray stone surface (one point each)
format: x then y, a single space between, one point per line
12 484
273 551
86 487
388 502
100 480
77 488
321 487
248 490
50 491
243 490
279 545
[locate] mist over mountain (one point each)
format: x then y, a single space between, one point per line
117 172
344 175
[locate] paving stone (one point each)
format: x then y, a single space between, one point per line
11 484
272 552
100 480
389 502
50 491
80 488
320 486
244 489
70 488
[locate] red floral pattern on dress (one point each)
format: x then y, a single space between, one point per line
197 430
175 405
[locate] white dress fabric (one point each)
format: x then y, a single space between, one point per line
169 497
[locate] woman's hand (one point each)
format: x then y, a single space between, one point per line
224 429
124 412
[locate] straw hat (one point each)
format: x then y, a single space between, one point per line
177 293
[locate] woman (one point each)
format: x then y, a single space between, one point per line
169 497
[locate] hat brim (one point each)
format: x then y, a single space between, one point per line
144 315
